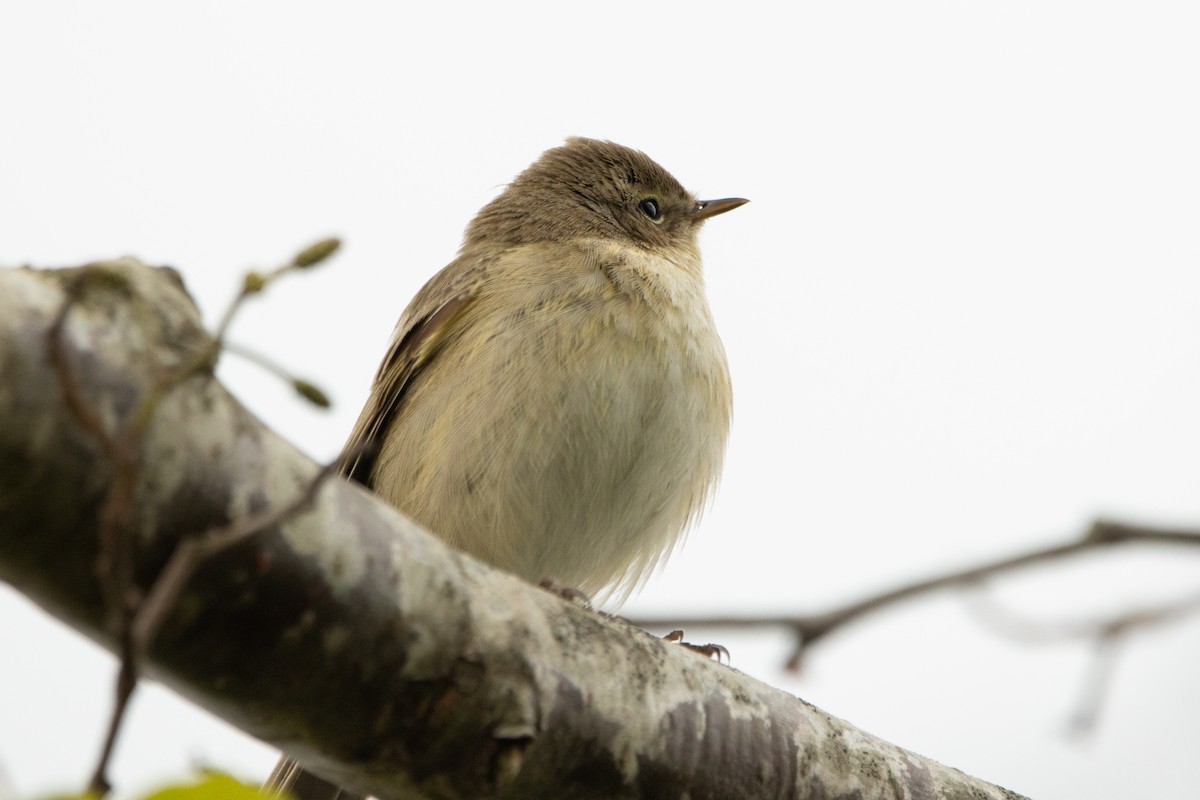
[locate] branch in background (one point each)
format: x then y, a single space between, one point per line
377 656
1107 636
811 628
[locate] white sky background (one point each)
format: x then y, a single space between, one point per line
961 311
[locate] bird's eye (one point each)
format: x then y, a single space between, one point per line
649 207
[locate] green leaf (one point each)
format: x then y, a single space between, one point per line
213 786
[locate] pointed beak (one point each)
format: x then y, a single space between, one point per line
710 208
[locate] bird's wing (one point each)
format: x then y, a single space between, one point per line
423 328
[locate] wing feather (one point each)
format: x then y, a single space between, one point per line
420 333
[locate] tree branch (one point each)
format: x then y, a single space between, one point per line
370 651
811 628
1107 636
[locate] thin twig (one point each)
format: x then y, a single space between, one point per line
305 388
127 681
809 629
1021 628
153 609
1093 691
113 565
256 282
1107 636
125 607
191 552
72 393
114 561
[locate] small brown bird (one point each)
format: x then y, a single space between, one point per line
556 400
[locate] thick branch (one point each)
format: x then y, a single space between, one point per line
374 654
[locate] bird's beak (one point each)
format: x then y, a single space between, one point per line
710 208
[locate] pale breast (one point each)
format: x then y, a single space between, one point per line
572 426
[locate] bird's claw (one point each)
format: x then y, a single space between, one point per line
709 650
569 593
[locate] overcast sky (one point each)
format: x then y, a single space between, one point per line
961 311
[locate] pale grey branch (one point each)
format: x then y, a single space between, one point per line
366 648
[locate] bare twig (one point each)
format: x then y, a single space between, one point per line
1107 636
306 389
191 552
132 618
127 680
114 563
72 393
811 628
1103 666
113 568
1026 629
256 282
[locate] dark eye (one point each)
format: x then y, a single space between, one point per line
649 207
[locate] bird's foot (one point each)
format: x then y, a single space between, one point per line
555 587
709 650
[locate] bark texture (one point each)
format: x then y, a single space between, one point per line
377 656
